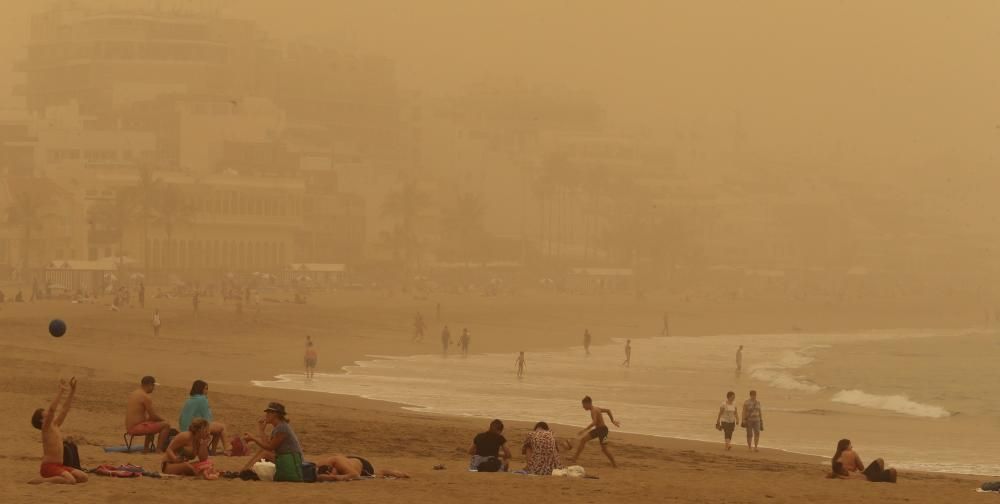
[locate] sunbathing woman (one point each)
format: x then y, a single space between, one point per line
343 468
847 464
178 458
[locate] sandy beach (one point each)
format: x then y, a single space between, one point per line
108 352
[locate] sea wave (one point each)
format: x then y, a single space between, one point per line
896 403
776 374
783 380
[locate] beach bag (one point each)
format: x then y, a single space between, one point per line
264 470
71 455
238 447
491 464
571 472
308 472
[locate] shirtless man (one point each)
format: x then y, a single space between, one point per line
628 354
596 430
142 420
344 468
53 470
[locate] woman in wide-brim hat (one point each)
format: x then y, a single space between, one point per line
282 446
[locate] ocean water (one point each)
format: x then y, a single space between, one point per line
917 398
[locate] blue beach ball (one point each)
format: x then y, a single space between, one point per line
57 328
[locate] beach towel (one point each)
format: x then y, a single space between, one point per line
126 471
123 449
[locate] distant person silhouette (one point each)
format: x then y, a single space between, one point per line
739 360
521 365
628 354
464 341
445 340
311 358
418 328
586 341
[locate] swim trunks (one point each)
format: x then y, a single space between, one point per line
366 466
145 428
50 469
600 432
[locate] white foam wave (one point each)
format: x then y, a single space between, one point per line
785 381
896 403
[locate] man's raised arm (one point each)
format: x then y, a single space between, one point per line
50 414
69 399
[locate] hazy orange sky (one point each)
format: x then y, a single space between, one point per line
855 85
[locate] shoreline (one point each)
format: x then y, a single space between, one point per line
421 408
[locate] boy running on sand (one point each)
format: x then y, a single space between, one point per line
53 470
599 431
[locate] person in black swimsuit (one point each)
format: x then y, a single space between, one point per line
596 430
345 468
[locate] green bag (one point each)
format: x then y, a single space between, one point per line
288 467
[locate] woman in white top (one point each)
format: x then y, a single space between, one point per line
728 418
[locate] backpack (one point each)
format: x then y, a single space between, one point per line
308 472
238 447
491 464
71 455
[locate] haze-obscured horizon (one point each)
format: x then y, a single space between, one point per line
881 118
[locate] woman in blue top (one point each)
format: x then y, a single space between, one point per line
197 406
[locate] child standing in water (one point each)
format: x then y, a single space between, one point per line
521 365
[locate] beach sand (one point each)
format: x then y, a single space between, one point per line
108 352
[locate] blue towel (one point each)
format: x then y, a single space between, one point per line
123 449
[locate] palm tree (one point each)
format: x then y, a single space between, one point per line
405 206
29 210
463 224
171 209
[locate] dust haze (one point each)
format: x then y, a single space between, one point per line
666 138
728 195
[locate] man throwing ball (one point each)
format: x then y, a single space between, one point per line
53 470
596 430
